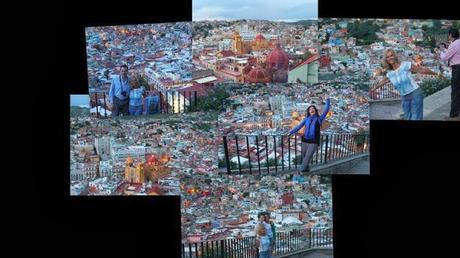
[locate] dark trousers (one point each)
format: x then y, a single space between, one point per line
455 94
120 107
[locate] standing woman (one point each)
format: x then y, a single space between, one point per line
400 75
135 99
311 136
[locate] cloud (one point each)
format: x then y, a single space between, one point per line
255 9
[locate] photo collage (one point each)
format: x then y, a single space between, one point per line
247 111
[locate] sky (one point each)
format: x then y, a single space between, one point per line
79 100
273 10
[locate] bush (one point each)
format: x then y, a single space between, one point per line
213 101
433 85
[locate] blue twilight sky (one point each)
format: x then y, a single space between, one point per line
273 10
79 100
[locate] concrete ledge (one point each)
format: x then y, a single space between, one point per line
437 105
316 252
389 101
340 166
385 109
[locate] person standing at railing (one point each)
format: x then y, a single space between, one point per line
135 99
311 137
452 56
119 92
400 75
262 239
271 232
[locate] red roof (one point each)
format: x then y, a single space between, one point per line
226 53
278 59
201 89
258 74
311 59
260 37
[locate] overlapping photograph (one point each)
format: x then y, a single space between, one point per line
140 69
404 63
264 42
303 128
139 155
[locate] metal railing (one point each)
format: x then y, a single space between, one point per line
246 247
170 102
387 91
258 153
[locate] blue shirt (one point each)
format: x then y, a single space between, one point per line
268 229
135 96
118 86
310 123
402 80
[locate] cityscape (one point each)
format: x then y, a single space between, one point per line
255 112
216 207
145 155
158 57
219 98
257 51
352 50
163 155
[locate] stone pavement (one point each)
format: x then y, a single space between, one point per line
435 107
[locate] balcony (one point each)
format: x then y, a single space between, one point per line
248 154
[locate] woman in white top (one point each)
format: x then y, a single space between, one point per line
400 75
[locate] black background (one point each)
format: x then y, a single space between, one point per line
404 208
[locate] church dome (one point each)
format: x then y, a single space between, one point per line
259 37
278 59
258 74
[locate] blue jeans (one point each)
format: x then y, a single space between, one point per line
412 105
135 110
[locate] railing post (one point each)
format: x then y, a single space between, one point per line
212 248
274 151
326 149
202 249
222 248
289 152
227 160
189 101
105 106
266 153
160 103
249 154
282 153
167 102
184 101
238 153
172 103
258 153
295 151
178 102
194 98
97 106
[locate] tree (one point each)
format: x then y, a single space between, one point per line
364 32
213 101
434 85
